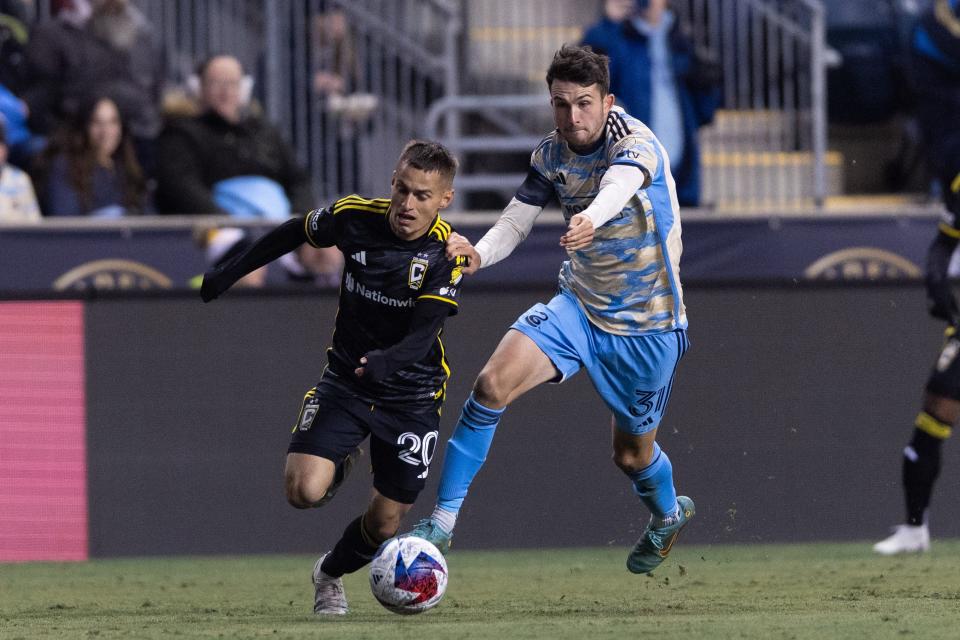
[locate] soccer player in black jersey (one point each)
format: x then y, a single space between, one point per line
387 372
936 79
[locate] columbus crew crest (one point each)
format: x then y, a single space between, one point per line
418 271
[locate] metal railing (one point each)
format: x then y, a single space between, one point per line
767 147
421 67
394 58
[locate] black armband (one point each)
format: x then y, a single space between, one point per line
536 190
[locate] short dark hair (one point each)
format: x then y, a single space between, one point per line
581 65
429 156
201 69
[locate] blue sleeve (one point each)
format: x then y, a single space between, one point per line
536 190
60 198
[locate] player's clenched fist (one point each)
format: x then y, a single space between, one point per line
579 234
457 245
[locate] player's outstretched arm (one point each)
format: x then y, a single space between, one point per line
941 301
281 240
425 324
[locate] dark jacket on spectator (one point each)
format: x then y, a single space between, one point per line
698 88
194 153
66 64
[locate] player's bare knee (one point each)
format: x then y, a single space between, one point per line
944 409
489 389
301 495
630 460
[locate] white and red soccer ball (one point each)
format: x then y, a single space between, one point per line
408 575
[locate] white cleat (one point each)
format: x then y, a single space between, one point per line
328 596
905 539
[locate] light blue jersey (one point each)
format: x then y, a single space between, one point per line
628 279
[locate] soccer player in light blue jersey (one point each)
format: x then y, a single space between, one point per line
619 313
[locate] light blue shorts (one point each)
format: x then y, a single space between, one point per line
633 374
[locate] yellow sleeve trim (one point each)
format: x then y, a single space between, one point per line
430 297
930 425
947 230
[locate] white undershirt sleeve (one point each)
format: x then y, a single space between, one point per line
510 230
618 185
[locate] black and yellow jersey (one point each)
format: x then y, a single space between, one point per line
384 278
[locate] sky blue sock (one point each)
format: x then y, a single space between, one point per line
466 451
654 484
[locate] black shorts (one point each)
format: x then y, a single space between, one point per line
332 423
945 378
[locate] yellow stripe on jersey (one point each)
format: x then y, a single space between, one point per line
930 425
442 391
377 205
440 230
430 297
947 230
955 185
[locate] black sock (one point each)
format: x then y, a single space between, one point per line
353 551
921 465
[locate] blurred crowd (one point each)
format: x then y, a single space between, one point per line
88 127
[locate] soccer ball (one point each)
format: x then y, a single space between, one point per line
408 575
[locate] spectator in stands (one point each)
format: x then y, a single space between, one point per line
93 168
18 203
23 145
96 47
14 34
337 81
227 159
659 77
606 33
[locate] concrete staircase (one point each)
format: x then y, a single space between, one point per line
750 164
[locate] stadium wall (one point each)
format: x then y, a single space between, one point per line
786 424
143 254
787 421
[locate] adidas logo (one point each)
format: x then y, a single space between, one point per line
561 179
361 257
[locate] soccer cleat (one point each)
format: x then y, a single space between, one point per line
905 539
328 596
341 473
654 545
433 533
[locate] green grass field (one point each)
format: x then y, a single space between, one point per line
716 592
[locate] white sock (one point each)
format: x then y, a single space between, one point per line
446 520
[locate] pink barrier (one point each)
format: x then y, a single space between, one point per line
43 471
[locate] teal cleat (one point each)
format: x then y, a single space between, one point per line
433 533
654 545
